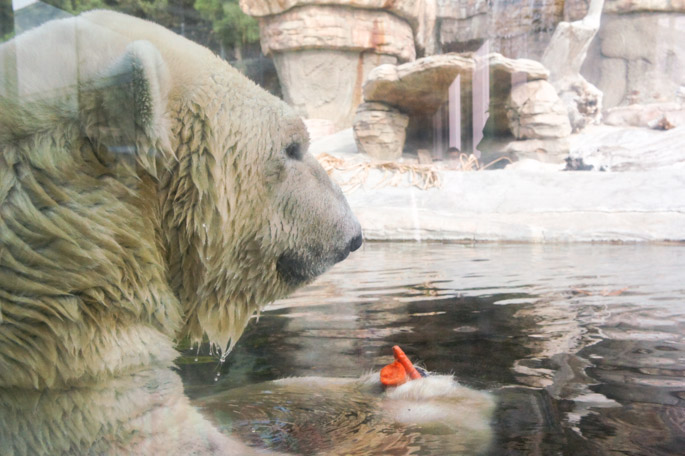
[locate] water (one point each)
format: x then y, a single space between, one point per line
582 347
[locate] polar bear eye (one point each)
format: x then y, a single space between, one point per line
293 151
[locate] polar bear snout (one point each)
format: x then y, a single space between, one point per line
297 268
354 234
356 242
351 246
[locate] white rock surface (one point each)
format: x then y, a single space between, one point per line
639 115
564 58
631 149
530 206
535 111
640 57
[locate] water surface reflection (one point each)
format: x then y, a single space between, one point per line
581 344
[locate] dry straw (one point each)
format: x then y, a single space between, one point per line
422 176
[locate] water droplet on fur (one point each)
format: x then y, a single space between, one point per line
225 354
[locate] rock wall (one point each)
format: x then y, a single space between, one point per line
326 84
639 57
514 28
324 50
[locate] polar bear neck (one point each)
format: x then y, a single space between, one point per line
80 270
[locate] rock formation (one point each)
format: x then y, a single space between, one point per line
535 111
564 58
514 28
418 87
323 50
522 107
504 74
380 130
639 53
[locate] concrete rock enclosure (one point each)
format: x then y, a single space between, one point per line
325 52
324 49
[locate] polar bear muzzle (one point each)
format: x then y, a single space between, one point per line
296 269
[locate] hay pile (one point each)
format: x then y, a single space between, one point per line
394 174
422 176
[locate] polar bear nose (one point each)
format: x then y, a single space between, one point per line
351 246
355 243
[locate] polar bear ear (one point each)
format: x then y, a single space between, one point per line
124 107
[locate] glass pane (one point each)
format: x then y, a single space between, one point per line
331 227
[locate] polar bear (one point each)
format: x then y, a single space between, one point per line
148 191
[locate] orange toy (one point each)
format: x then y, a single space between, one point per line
395 374
402 359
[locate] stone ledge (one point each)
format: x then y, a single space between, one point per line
647 6
524 206
395 224
408 10
337 28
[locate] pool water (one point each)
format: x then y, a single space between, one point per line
582 347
